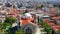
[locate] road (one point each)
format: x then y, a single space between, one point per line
38 30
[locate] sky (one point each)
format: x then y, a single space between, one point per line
33 0
40 0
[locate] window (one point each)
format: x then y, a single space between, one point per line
28 31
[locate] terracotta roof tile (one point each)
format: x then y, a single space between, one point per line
55 29
55 17
51 24
52 15
56 26
24 22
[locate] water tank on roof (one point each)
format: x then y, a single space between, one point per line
46 16
27 15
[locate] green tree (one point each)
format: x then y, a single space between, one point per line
8 23
40 7
41 23
47 28
20 32
2 25
10 20
7 26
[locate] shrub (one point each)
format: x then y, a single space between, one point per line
20 32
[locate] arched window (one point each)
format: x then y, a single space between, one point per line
28 31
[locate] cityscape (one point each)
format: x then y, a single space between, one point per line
29 16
